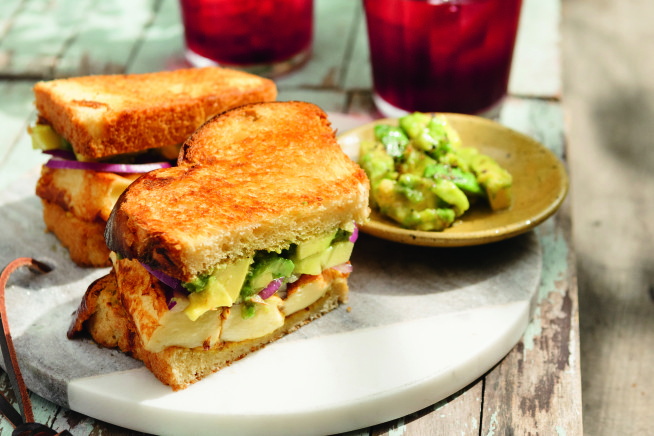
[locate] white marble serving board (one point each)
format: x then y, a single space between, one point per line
424 323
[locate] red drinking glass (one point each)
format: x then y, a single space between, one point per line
265 37
440 55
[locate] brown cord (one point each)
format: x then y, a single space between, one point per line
28 426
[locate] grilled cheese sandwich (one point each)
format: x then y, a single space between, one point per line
127 119
247 239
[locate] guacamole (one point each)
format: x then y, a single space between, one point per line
422 177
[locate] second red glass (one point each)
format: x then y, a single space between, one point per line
441 56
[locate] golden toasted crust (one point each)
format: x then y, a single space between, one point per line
258 177
142 295
107 115
84 239
89 195
102 313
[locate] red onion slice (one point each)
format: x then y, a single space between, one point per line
272 287
171 301
58 163
63 154
355 234
344 268
167 280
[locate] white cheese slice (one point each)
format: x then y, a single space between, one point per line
267 318
304 294
177 329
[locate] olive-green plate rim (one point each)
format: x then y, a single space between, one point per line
384 228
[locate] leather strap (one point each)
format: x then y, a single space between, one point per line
24 423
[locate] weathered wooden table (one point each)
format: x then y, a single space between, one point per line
536 388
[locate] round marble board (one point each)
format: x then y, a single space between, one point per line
421 324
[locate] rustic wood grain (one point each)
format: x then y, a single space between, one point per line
536 388
610 97
536 69
8 11
39 35
458 414
162 46
97 47
333 24
358 75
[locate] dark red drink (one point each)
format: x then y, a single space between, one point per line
248 33
441 56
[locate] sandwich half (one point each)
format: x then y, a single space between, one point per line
247 239
105 130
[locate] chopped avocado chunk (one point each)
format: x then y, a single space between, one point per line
198 284
393 138
44 137
376 162
267 266
220 289
343 235
233 277
449 193
248 310
309 265
214 295
314 246
337 254
415 162
465 181
495 179
414 124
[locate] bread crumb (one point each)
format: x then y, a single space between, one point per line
349 309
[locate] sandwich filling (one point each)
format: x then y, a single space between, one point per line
46 138
78 194
251 297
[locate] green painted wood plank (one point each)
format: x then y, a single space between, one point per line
21 159
8 9
109 34
358 71
163 43
39 34
333 24
538 384
16 154
540 119
536 69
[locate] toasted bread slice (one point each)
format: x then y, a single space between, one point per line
89 195
84 239
258 177
125 308
108 115
76 206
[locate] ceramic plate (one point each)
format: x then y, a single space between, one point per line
540 184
